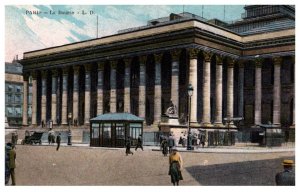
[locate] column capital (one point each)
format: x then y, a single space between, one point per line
44 73
54 72
127 61
175 53
100 66
258 62
207 56
65 70
113 64
143 59
25 76
293 58
33 74
76 68
241 63
87 67
193 53
158 57
231 62
277 60
219 59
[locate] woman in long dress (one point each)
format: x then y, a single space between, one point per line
175 161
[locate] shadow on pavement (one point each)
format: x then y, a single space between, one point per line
255 173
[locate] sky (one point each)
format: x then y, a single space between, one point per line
33 27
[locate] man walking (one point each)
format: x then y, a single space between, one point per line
171 143
12 164
139 143
128 145
58 138
287 177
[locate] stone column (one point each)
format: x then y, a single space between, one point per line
25 100
127 106
193 53
34 98
241 88
100 89
54 96
219 87
142 86
230 88
87 94
75 92
157 88
64 102
175 77
44 96
276 90
113 87
293 125
257 112
206 119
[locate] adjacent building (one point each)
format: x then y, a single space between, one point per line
14 94
240 69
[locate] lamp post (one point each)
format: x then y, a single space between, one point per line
190 93
69 132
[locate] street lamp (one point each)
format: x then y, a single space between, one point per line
190 93
69 132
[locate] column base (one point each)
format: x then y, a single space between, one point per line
219 125
206 124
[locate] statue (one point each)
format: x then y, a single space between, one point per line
172 110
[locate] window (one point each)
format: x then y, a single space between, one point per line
18 89
135 130
17 98
10 88
120 131
29 111
18 111
107 131
9 98
9 111
95 130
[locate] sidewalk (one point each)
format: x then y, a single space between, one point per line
239 148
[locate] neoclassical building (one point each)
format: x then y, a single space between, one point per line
243 69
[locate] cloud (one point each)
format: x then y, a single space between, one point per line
24 32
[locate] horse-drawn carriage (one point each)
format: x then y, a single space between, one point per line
32 137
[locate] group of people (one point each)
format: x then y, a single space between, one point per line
51 138
138 145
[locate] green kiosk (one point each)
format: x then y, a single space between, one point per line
111 129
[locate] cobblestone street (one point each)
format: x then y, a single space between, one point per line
43 165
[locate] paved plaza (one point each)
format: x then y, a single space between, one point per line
82 165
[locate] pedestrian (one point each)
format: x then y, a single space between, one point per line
128 145
7 170
202 138
176 163
286 177
49 136
180 141
164 146
139 143
58 138
12 164
171 143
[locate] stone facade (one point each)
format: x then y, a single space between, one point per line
143 70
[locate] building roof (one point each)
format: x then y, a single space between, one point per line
14 68
117 117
